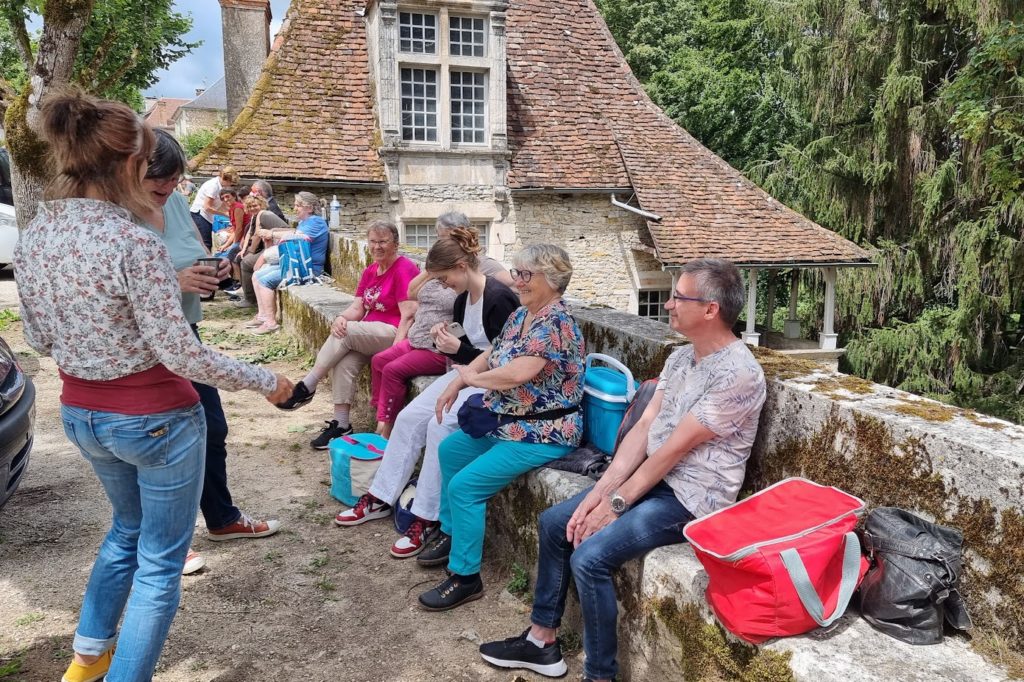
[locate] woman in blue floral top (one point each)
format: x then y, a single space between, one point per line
536 366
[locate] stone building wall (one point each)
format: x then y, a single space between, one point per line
609 263
191 120
609 258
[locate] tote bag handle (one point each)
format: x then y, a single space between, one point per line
805 589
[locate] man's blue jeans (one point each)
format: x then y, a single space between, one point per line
654 521
151 467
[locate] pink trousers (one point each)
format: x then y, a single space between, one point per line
391 368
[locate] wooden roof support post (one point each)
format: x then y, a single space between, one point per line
791 330
829 339
750 336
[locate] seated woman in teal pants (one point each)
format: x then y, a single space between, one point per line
534 380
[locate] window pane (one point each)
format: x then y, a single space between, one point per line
417 33
652 304
419 104
468 101
466 36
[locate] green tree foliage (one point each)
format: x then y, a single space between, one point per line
900 125
124 44
196 141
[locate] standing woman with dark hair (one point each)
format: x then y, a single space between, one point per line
114 325
169 219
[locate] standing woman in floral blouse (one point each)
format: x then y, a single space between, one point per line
534 381
112 321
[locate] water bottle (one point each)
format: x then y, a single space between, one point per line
335 213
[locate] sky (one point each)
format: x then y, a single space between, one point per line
205 64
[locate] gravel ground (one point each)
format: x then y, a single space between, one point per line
315 602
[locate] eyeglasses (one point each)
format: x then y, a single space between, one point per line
176 179
679 297
379 242
524 275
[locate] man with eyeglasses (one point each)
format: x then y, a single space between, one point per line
683 459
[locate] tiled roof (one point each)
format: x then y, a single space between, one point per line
214 97
310 116
159 115
577 119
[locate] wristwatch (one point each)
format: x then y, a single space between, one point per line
618 503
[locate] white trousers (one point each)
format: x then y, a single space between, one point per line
416 427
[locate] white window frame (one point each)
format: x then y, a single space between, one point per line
429 226
423 231
444 63
644 307
472 30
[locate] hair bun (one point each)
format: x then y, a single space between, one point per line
467 238
69 116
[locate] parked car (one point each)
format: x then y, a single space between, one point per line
8 234
17 421
6 189
8 225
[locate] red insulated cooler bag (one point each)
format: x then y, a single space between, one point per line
783 561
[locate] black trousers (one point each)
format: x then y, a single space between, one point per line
205 229
215 502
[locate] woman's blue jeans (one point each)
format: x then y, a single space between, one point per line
151 467
654 521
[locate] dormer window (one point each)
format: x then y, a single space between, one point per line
439 69
443 77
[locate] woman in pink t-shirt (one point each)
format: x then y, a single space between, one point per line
368 326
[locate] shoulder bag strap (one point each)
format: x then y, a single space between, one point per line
809 595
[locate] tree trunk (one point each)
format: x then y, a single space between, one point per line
64 21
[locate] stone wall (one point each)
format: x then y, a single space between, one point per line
610 259
604 242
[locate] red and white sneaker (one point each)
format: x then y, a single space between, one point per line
367 508
414 540
194 561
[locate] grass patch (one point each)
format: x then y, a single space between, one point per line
8 316
519 583
279 347
11 666
571 640
326 585
272 557
29 618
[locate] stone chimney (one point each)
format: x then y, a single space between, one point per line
245 27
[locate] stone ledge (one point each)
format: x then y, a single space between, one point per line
664 593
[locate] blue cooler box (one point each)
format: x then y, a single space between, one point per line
607 392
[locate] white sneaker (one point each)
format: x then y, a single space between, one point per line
367 508
194 561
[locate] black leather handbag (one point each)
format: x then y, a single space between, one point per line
477 421
910 590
